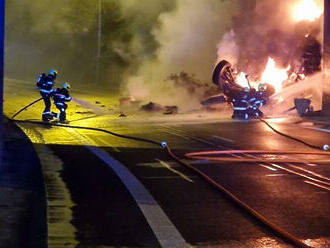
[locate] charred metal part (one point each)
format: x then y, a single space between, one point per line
151 107
311 58
155 107
171 110
303 106
214 100
223 77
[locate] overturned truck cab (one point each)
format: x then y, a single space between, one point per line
246 101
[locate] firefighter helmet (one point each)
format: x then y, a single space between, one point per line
262 87
246 89
66 86
52 73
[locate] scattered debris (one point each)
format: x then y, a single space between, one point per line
303 107
125 101
84 112
214 100
128 102
122 115
97 102
192 85
187 81
151 107
169 110
102 106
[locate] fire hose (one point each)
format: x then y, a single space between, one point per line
19 111
278 230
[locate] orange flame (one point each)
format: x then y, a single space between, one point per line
307 10
273 75
242 80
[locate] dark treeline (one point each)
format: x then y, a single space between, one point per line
63 34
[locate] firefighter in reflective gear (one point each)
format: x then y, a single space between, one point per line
45 85
255 102
60 96
260 99
241 105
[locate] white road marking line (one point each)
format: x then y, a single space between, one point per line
268 167
176 134
187 136
223 139
317 185
116 149
262 165
191 138
317 129
163 163
310 172
105 142
163 228
203 141
164 177
313 165
299 174
203 161
276 175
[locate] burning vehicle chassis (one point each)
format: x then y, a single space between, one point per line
246 101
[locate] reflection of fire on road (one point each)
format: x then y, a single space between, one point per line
288 58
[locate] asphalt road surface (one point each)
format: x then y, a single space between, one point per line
105 191
99 210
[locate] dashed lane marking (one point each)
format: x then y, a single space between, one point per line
268 167
300 174
317 129
310 172
174 171
223 139
318 185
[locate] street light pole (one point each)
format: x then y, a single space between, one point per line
99 39
326 60
2 50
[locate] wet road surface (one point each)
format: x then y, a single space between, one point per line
89 206
23 220
104 213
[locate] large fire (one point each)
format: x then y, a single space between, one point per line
274 75
271 75
307 10
242 79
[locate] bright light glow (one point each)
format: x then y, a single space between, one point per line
273 75
307 10
302 76
242 80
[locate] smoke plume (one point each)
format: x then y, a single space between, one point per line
146 42
265 29
187 38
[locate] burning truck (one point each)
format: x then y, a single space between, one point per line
290 58
248 97
247 100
